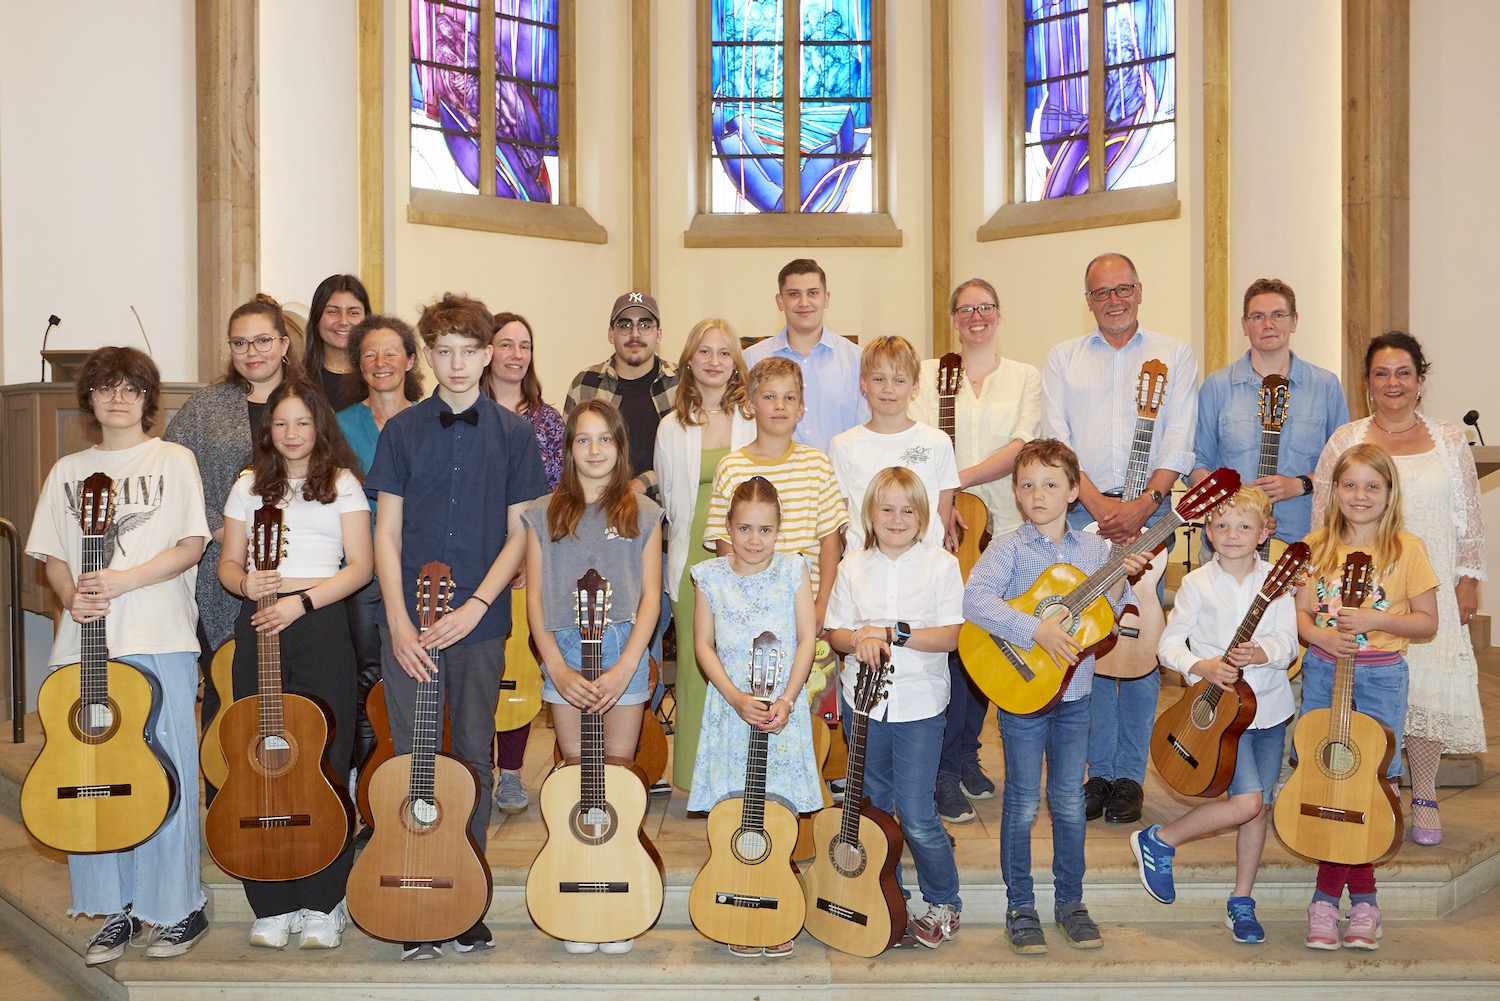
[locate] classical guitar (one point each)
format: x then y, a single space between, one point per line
281 812
384 749
1028 682
422 877
210 750
747 893
1338 805
597 878
521 683
854 903
100 783
650 761
1196 741
1275 400
1132 653
822 735
971 540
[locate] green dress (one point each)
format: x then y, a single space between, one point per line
691 686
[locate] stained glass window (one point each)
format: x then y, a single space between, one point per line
1138 118
831 92
449 140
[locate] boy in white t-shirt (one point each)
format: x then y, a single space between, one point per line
888 371
144 594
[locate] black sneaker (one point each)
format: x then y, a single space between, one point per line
974 783
110 941
421 951
952 805
1124 803
1078 927
179 938
1095 791
476 939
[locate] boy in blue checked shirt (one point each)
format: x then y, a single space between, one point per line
1045 482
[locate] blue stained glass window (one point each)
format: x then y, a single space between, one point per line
833 101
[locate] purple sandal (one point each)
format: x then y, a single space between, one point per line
1425 835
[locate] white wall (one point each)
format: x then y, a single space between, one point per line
97 179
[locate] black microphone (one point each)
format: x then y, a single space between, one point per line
52 321
149 350
1472 419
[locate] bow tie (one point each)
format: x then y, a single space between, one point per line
470 417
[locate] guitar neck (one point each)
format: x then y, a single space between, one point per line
427 721
854 780
1113 569
1270 449
1138 468
1248 624
268 666
753 805
591 735
1342 702
93 641
948 416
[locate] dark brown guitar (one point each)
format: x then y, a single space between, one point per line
281 813
971 540
1195 743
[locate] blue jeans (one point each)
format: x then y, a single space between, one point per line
1257 763
1062 735
901 766
964 719
611 644
1379 691
1120 732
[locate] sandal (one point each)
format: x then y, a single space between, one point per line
746 951
1425 835
778 951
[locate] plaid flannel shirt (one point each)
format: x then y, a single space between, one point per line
602 382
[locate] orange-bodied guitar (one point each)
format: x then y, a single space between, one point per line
1028 682
1195 742
971 540
210 749
854 903
100 784
747 893
1338 805
281 813
384 749
597 879
422 878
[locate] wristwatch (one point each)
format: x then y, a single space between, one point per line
903 633
1155 495
1306 484
307 605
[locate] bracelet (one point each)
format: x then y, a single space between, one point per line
307 605
789 703
477 598
242 587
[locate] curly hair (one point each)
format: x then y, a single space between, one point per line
110 367
329 455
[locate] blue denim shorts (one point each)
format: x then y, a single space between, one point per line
1258 764
615 636
1380 682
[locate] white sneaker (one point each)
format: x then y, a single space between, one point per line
273 932
323 931
580 948
619 948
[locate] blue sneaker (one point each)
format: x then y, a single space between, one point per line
1241 921
1154 856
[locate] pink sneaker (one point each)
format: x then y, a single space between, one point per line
1322 926
1364 928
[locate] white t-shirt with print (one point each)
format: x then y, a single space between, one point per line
859 453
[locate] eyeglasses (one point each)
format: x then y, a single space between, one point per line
1118 291
624 324
983 309
124 390
1279 316
262 344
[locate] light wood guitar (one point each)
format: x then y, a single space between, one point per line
597 879
971 540
422 877
1131 653
854 903
210 749
521 683
1028 682
1338 805
747 893
1195 743
100 783
1275 401
384 749
651 750
281 813
822 734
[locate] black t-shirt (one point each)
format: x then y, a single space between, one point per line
641 418
340 388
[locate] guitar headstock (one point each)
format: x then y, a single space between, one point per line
96 504
950 373
1275 395
593 604
434 593
1213 490
1358 579
767 666
267 538
872 685
1151 389
1288 573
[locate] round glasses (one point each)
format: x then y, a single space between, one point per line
263 343
124 390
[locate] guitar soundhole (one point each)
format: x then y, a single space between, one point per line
274 754
1202 714
750 847
848 859
594 825
1336 760
1051 608
95 722
420 815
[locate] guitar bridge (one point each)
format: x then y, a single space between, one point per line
94 791
618 886
1182 751
843 913
1333 813
266 823
745 900
417 882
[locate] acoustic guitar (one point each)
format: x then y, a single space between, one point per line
521 683
854 903
747 893
594 810
1338 805
1029 682
281 813
822 740
1275 401
1132 652
1195 743
211 758
100 783
385 748
422 877
650 761
971 540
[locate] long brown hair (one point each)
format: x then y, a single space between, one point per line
264 305
689 407
531 386
326 290
330 453
1326 540
618 499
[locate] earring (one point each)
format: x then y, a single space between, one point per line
1419 399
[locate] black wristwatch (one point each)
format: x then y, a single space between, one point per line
1156 495
307 605
1306 484
903 633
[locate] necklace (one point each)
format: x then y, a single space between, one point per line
1400 431
706 410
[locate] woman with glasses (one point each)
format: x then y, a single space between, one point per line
217 424
338 305
997 408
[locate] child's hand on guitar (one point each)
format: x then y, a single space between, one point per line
1136 562
781 712
610 686
754 711
260 584
277 616
1337 642
579 692
409 651
86 606
1360 620
956 527
870 646
1217 672
1056 642
105 583
1242 656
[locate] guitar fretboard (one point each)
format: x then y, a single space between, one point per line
93 644
427 722
854 779
268 672
591 736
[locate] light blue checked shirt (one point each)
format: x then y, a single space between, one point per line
830 385
1010 565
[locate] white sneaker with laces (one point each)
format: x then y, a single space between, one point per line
323 931
274 932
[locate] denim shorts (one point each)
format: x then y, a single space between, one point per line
1258 765
1380 683
613 641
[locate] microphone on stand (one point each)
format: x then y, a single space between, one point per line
149 349
52 321
1472 419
